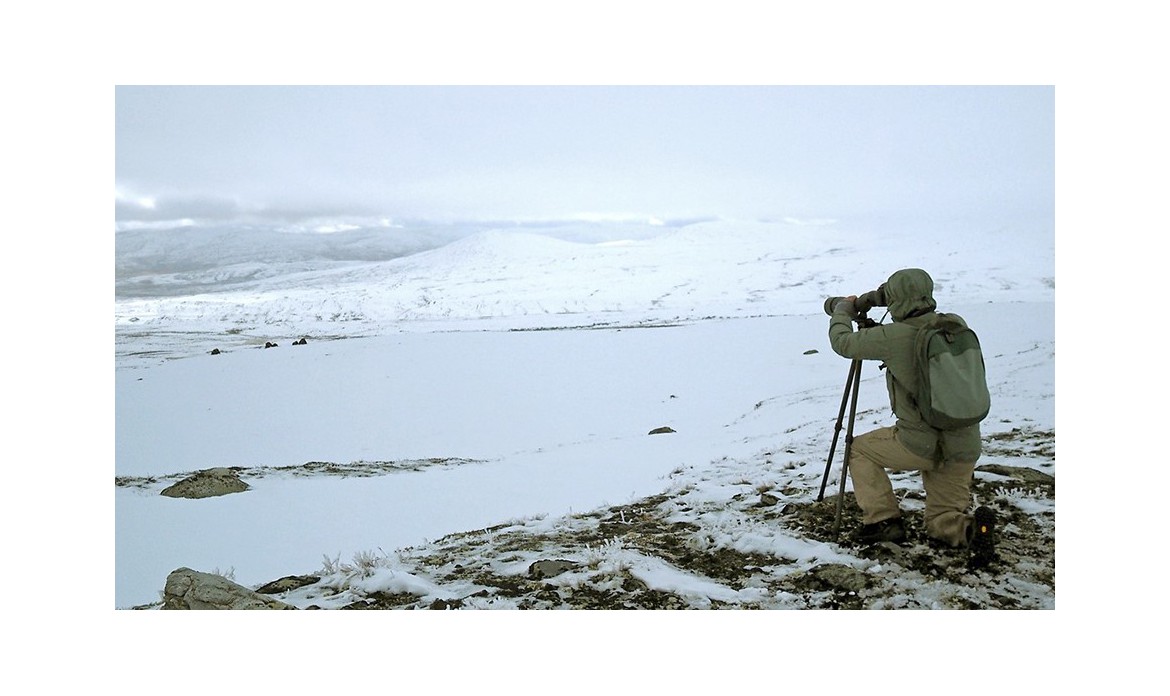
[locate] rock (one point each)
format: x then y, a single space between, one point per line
302 342
215 351
660 431
768 499
190 589
270 344
811 351
840 577
290 582
548 569
206 484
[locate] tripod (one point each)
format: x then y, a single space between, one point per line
852 385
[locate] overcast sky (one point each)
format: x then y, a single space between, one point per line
285 154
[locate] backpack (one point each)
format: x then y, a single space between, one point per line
952 381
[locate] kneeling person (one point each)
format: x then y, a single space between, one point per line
946 458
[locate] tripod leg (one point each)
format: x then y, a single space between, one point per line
854 367
848 449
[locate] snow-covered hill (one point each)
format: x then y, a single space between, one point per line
709 269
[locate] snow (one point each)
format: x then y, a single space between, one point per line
539 423
658 575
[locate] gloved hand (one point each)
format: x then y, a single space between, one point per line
834 304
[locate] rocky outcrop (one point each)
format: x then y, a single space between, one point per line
662 431
190 589
206 484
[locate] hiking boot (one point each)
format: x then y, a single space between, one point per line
886 530
981 538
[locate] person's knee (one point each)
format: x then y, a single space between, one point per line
865 443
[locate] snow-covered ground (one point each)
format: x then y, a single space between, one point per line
526 372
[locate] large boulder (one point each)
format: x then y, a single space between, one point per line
206 484
190 589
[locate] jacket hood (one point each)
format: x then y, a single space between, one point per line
909 292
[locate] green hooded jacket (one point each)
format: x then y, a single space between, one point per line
909 295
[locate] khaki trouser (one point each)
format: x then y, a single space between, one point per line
948 486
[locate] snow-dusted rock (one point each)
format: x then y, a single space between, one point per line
207 484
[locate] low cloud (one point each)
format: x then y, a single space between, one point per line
165 208
133 210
